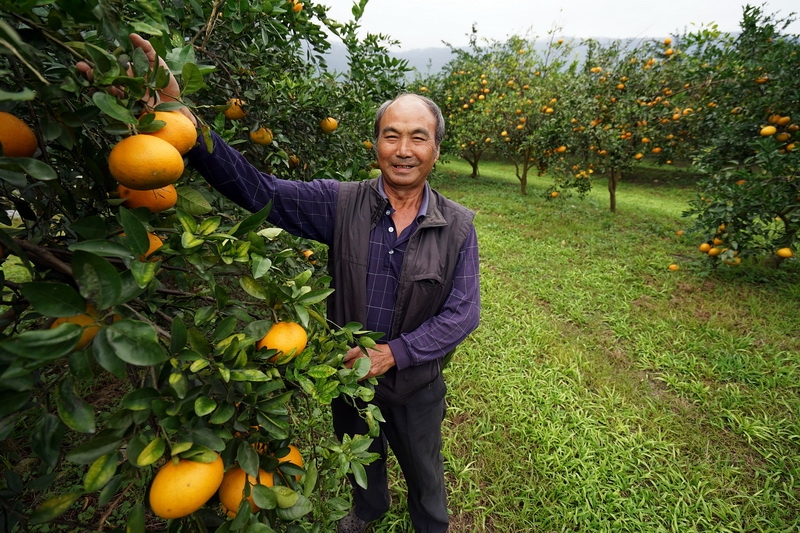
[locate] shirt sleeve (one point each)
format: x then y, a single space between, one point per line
460 315
305 209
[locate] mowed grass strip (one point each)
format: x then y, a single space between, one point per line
604 392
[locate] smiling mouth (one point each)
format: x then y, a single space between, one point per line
403 166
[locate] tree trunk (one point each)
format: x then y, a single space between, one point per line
614 175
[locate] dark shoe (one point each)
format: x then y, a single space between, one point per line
352 524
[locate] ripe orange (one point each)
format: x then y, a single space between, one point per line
638 156
554 194
178 130
17 138
674 267
87 320
766 131
713 252
705 247
329 124
295 457
262 136
181 488
289 338
156 200
293 161
235 111
231 489
145 162
368 144
784 252
297 7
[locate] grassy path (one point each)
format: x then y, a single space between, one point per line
603 392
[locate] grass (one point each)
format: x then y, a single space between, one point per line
604 392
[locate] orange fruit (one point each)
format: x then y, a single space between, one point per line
289 338
766 131
156 200
17 138
294 457
234 111
713 252
368 144
329 124
145 162
638 156
179 131
262 136
155 244
231 490
87 320
180 488
297 7
705 247
674 267
293 161
785 252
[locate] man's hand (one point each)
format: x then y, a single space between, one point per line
168 94
381 359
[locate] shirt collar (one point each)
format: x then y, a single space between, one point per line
423 206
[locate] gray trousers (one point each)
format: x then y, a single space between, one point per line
413 430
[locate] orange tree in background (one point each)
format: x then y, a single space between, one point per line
750 198
132 330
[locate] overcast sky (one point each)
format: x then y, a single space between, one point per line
426 23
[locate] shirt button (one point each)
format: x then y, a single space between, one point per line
391 252
391 230
388 211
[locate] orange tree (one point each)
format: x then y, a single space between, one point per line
750 200
131 337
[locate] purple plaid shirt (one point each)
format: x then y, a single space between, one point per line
308 209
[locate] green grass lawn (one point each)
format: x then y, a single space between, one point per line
604 392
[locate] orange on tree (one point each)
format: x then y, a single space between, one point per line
785 252
231 489
368 144
714 251
294 457
262 136
16 137
181 486
297 7
155 244
235 109
88 321
329 124
145 162
288 338
705 247
767 131
178 130
156 200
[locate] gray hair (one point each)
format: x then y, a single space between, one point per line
430 104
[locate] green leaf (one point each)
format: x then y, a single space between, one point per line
204 406
252 287
321 371
249 374
33 167
86 453
178 335
111 107
313 297
144 272
135 523
53 299
102 247
192 79
135 232
97 279
140 399
135 342
192 201
53 507
106 355
223 413
264 497
251 222
100 472
247 458
152 452
73 411
302 507
46 438
43 345
359 474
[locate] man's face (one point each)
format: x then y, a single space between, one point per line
407 148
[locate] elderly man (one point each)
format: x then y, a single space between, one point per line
404 262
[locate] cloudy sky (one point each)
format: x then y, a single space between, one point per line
426 23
